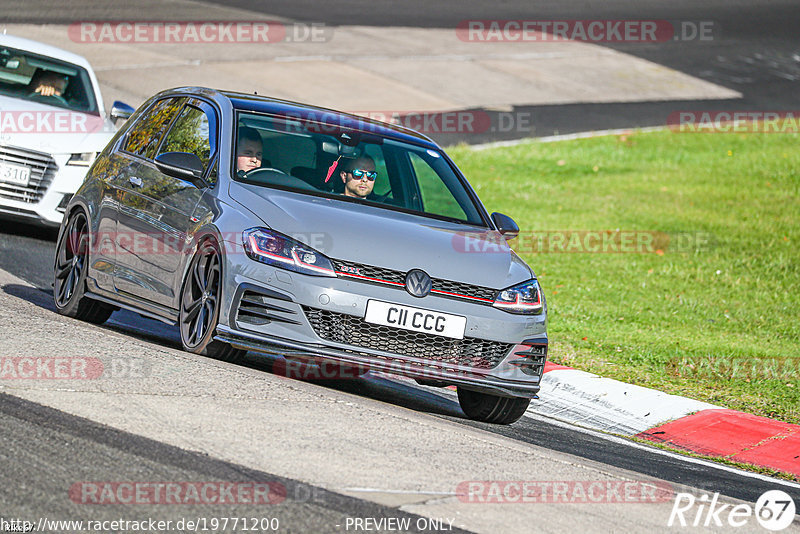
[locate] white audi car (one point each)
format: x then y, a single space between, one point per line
52 124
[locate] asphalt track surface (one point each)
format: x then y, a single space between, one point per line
757 53
755 50
34 266
755 47
45 440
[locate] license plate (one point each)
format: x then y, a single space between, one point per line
14 174
415 319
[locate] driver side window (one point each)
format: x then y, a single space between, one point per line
146 134
193 132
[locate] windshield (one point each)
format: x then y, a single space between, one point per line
350 165
46 80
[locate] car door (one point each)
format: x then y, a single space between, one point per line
131 241
158 212
109 170
113 171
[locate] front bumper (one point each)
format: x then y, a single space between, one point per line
382 361
279 324
52 184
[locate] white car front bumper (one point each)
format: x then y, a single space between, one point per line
51 185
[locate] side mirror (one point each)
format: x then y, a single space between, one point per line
120 110
182 165
505 225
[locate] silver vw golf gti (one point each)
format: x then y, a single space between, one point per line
275 227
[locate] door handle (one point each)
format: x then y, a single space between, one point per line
135 181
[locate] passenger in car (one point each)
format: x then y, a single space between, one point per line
359 177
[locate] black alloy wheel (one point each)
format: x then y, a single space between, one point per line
200 302
71 265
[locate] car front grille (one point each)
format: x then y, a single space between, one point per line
43 169
439 287
355 331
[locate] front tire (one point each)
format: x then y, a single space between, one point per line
200 303
71 265
491 408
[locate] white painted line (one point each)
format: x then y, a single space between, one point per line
349 58
690 459
566 137
621 440
609 405
188 62
401 492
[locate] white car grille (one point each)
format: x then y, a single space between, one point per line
43 169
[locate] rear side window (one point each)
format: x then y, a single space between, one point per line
194 131
144 136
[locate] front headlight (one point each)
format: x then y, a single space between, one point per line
273 248
83 159
523 298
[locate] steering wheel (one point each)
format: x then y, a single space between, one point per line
384 198
251 172
40 97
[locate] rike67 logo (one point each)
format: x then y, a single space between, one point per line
774 510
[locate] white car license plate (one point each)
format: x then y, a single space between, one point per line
14 174
415 319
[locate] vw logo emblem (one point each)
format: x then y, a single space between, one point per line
418 283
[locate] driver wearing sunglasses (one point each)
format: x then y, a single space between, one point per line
359 177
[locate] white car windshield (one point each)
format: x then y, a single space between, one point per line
42 79
350 164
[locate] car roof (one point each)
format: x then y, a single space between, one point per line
296 110
44 50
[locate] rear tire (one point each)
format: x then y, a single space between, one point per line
200 302
69 270
491 408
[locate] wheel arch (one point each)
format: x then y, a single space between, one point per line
200 236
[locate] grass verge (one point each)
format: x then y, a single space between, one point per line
702 301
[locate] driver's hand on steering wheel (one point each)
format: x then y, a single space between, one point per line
47 90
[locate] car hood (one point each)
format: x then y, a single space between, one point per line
51 129
384 238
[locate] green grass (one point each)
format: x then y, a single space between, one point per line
717 322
